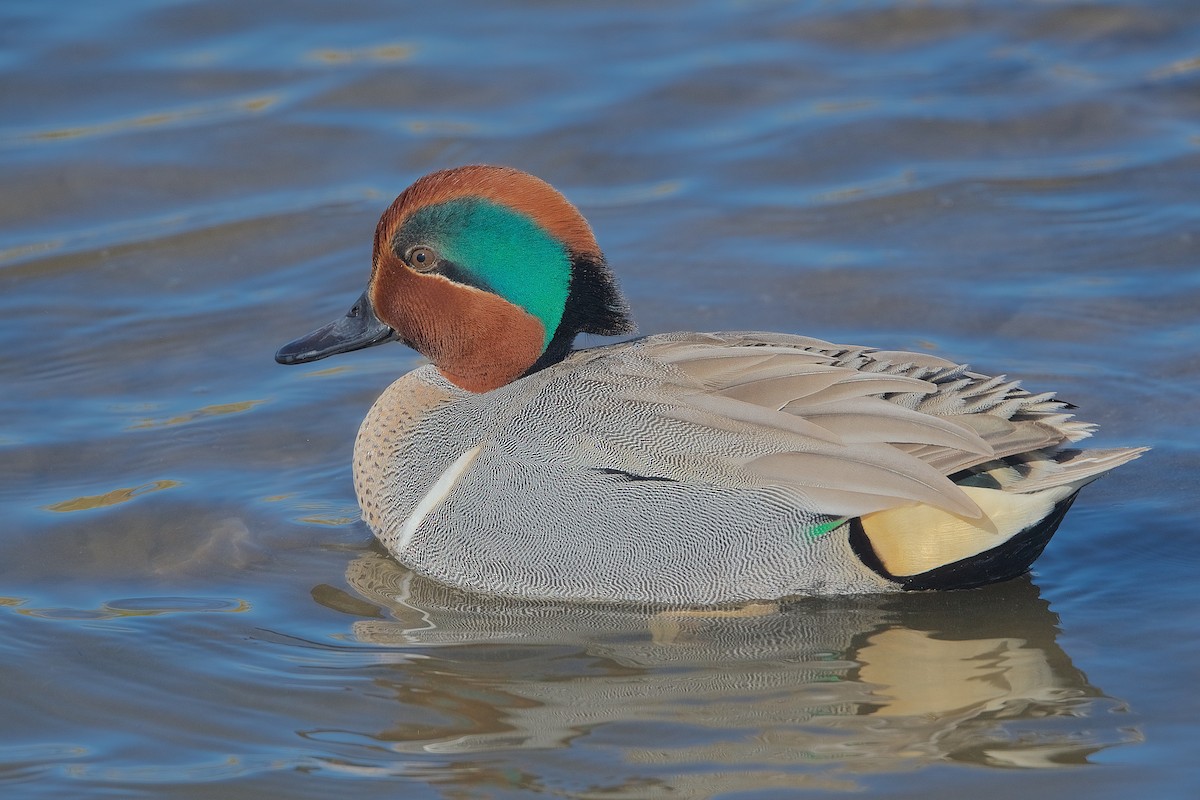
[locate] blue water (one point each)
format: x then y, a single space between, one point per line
189 604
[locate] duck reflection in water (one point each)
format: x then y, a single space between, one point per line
857 684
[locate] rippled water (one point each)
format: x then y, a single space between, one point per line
190 605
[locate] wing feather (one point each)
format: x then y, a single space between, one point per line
851 429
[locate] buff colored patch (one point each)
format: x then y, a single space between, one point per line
917 538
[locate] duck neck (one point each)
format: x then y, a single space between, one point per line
594 305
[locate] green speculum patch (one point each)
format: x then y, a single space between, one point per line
817 531
502 248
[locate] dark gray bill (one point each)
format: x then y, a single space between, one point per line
358 329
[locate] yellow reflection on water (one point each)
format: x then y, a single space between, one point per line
27 250
115 497
158 119
215 410
142 607
396 51
1177 68
332 522
884 186
921 675
321 373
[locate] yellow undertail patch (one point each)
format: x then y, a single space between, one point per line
917 538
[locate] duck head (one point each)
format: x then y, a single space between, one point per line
488 272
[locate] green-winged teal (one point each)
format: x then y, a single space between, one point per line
685 468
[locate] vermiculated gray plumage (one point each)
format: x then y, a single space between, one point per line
696 468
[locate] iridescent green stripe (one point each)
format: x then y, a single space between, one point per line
505 250
817 531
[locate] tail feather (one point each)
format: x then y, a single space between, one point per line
1075 468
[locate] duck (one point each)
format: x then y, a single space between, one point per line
684 469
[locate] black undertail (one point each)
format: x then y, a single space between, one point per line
1005 561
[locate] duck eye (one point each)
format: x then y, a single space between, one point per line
422 258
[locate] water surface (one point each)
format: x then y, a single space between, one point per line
189 604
